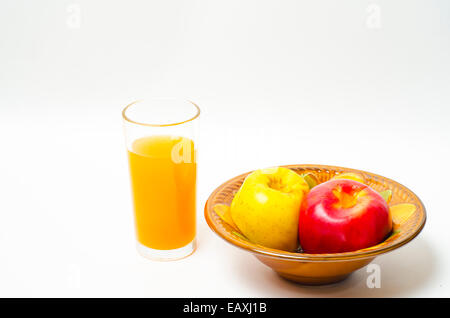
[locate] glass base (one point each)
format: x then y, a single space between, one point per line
166 255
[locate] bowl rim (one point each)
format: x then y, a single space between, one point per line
279 254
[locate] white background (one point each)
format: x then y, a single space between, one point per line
361 84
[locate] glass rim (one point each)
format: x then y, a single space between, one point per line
126 118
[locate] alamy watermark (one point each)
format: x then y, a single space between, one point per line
373 18
73 20
73 276
183 151
374 278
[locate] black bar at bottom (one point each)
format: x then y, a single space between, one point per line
216 307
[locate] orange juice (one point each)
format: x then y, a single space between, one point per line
163 181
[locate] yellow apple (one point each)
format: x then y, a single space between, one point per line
267 206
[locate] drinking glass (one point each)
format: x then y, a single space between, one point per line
161 140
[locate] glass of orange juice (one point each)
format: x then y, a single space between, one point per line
161 141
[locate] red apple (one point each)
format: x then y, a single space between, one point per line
341 216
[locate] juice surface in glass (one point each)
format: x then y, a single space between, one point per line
163 181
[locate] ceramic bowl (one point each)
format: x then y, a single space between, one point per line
317 269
